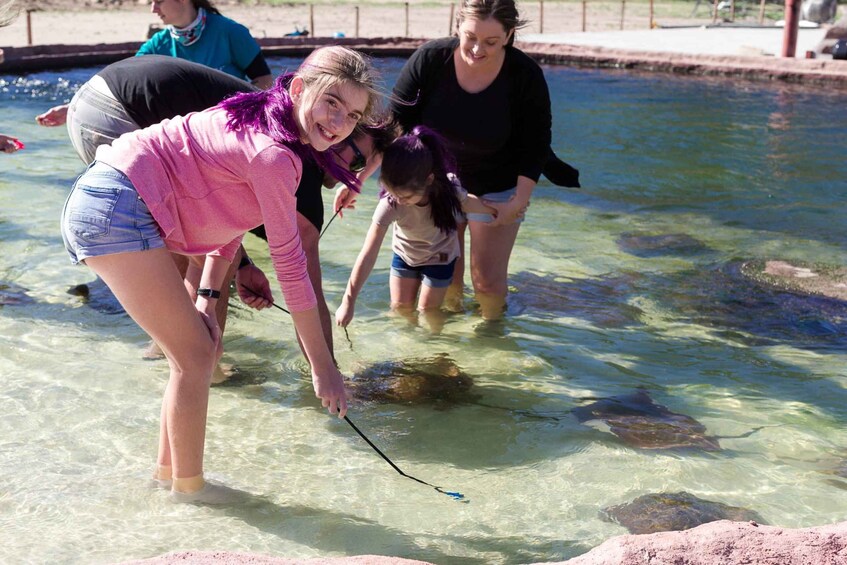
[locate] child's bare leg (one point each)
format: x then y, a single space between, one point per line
151 290
404 291
429 306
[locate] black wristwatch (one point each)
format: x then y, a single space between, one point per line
211 293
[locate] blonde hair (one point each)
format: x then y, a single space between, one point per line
328 66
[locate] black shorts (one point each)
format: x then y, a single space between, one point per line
309 199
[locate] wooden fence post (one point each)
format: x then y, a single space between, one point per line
29 27
540 16
623 8
450 23
312 19
407 21
584 8
357 22
652 16
762 12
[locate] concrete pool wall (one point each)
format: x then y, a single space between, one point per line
828 72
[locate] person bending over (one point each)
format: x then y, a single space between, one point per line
227 169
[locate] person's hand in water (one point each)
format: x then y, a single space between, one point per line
55 116
344 314
253 287
9 144
329 387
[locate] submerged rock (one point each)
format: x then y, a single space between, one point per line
724 543
652 245
12 294
431 379
799 277
662 512
642 423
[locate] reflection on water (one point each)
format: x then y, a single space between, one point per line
632 282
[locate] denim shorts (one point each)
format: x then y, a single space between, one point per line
96 118
435 276
503 196
104 214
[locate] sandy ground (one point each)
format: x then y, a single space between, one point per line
73 22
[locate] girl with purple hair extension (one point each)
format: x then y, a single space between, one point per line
422 197
194 185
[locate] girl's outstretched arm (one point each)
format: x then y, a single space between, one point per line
361 271
475 205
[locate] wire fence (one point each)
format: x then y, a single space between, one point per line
391 18
437 19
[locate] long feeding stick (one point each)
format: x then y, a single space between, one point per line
454 495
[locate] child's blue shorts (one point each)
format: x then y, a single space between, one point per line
435 276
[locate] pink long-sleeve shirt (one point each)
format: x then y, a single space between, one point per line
206 186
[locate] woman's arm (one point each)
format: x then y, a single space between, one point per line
361 271
532 118
55 116
259 73
511 211
213 278
326 379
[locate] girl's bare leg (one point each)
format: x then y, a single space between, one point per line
404 291
491 248
429 306
151 290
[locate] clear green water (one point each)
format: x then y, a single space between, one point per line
753 171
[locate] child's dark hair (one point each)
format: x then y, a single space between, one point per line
408 162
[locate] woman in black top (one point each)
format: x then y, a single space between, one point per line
490 100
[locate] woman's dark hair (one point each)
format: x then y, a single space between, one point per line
504 11
206 5
407 164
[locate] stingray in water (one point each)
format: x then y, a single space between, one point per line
642 423
98 296
663 512
746 301
655 245
434 379
601 301
12 295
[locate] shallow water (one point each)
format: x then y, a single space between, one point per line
750 170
